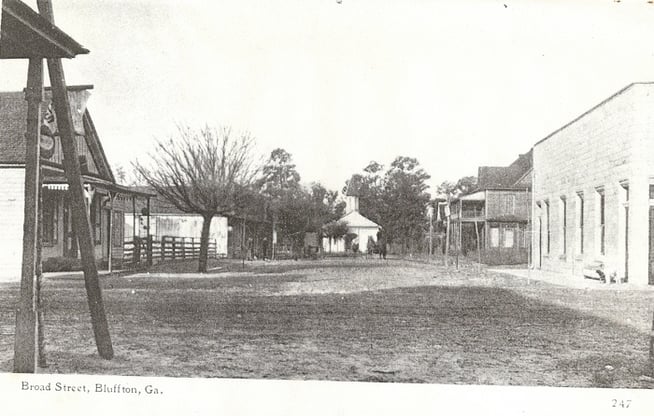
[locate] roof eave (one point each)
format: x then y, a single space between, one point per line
27 34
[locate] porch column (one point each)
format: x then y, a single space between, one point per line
111 228
133 218
149 236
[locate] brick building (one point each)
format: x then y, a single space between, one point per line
594 190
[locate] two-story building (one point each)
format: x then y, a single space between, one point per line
495 216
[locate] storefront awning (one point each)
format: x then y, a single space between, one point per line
56 186
59 184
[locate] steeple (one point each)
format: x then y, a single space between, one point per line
352 195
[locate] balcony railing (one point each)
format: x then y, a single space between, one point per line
473 213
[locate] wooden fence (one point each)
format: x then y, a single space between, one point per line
141 251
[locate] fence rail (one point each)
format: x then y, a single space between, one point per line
141 251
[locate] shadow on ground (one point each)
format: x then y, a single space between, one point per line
471 335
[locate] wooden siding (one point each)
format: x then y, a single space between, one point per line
498 204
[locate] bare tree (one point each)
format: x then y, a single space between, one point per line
202 171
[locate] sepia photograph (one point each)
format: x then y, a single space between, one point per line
327 206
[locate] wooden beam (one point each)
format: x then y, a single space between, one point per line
76 192
25 341
25 34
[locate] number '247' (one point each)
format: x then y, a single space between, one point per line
624 404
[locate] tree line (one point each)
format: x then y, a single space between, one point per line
215 171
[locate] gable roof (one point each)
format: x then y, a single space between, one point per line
489 177
13 125
355 219
649 84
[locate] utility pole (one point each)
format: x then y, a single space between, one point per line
430 213
25 341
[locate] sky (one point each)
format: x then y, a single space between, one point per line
456 84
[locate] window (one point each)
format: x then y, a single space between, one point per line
495 236
651 192
563 225
508 237
580 223
96 220
547 224
50 221
601 224
117 228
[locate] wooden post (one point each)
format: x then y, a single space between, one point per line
149 236
76 192
273 240
133 218
651 349
478 248
243 245
447 235
163 248
459 230
431 232
40 314
111 229
25 349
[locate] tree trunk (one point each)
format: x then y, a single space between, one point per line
204 243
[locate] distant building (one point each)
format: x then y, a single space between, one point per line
594 190
360 227
500 209
166 220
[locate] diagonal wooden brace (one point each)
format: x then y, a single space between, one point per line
76 192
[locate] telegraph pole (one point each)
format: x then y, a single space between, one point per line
430 213
25 341
447 232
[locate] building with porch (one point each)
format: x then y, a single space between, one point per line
101 190
594 190
499 208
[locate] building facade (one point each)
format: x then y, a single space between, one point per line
594 190
100 187
499 208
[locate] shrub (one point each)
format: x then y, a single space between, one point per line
61 264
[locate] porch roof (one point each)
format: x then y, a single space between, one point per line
60 183
475 196
27 34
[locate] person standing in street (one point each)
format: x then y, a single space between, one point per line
264 248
